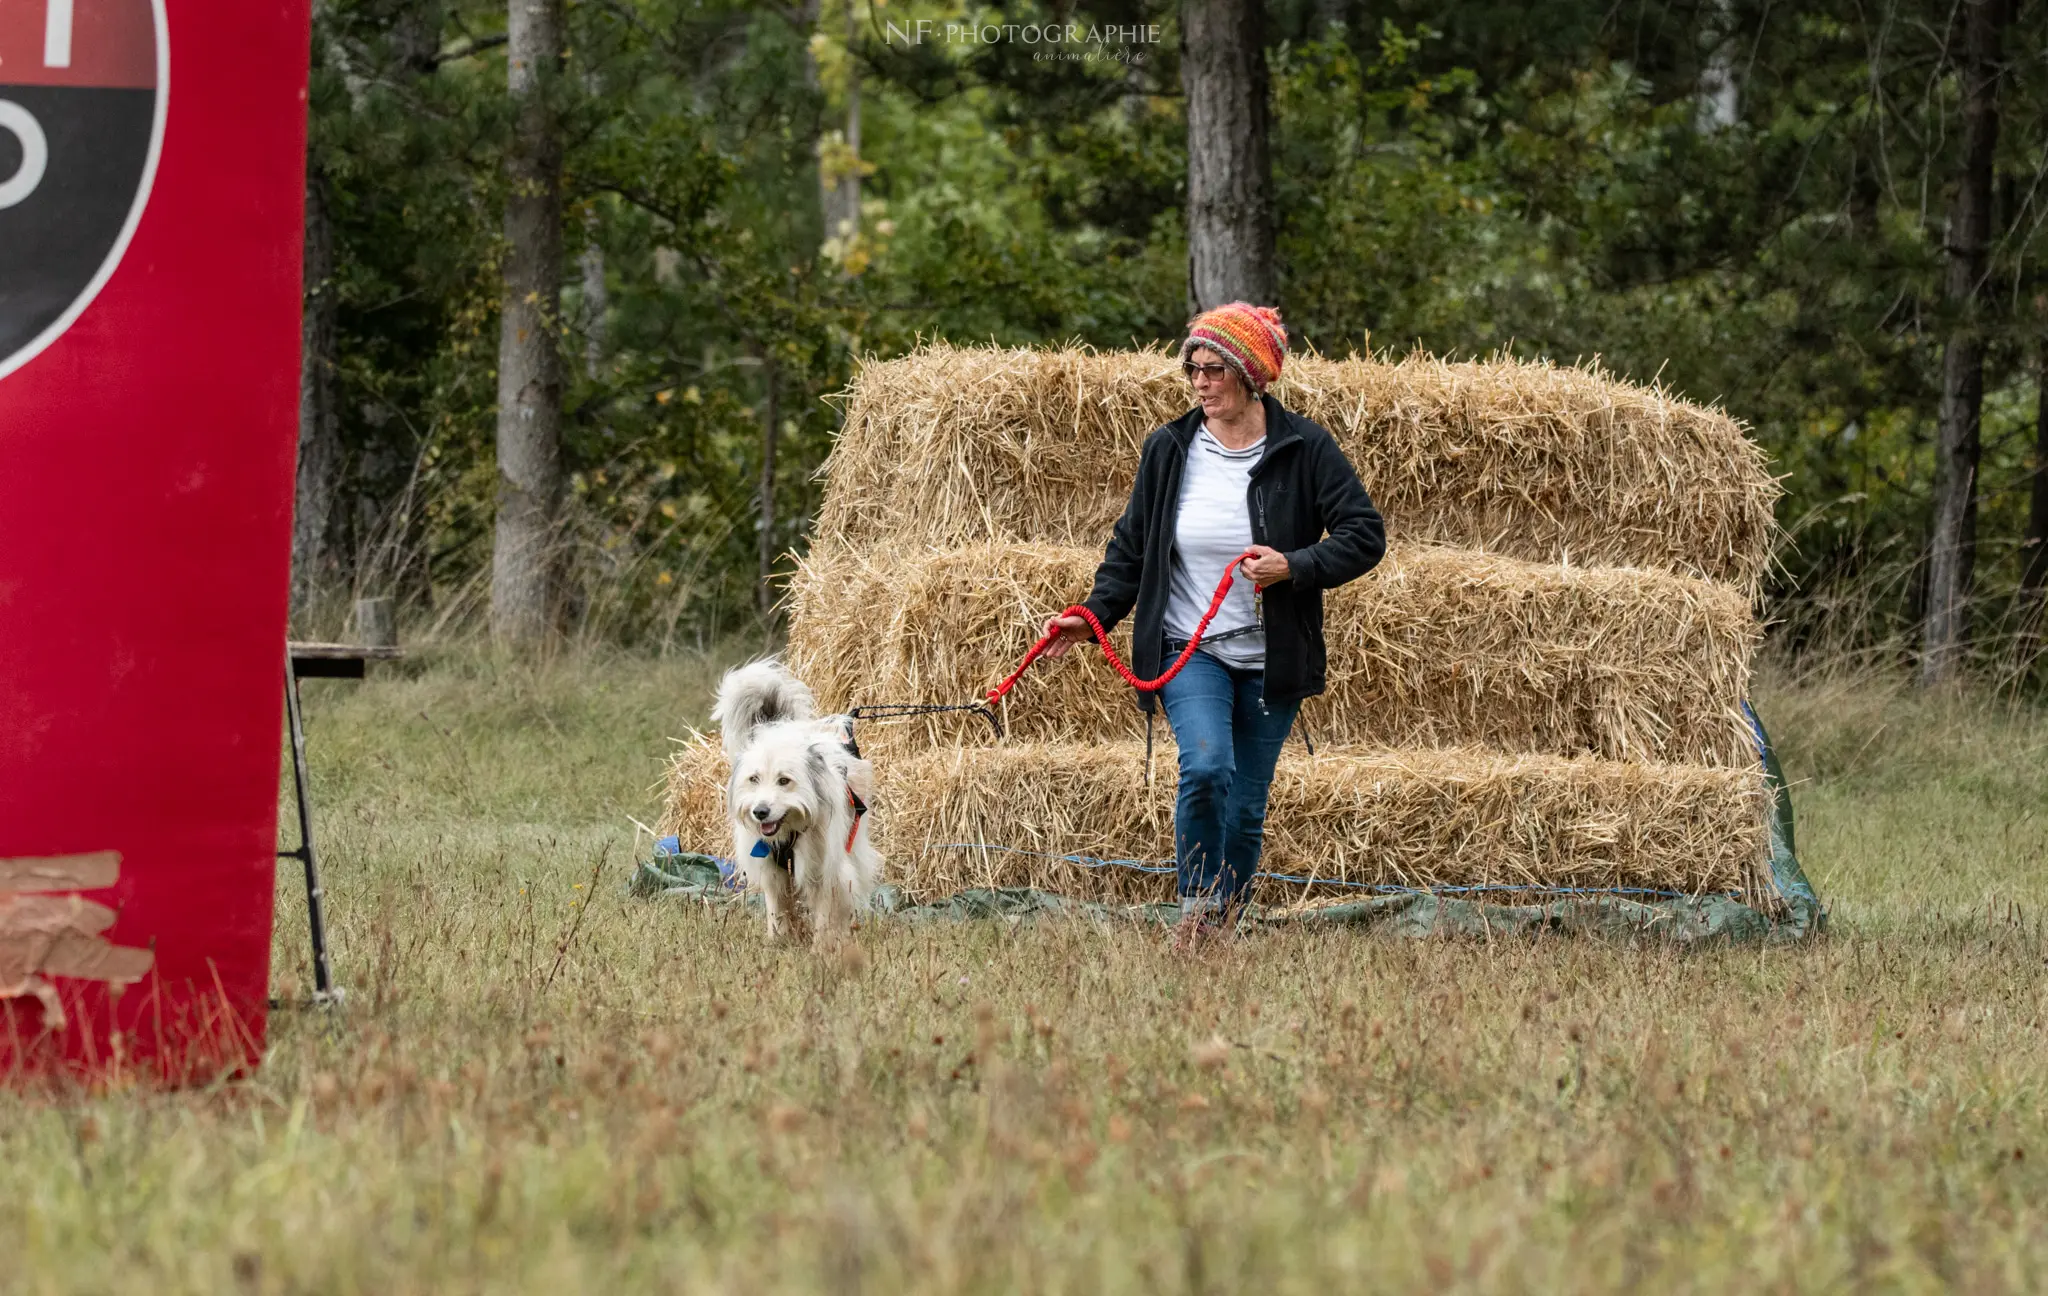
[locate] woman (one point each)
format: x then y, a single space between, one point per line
1237 473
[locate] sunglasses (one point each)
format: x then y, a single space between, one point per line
1211 371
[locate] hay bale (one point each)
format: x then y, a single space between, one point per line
1436 648
1387 817
956 445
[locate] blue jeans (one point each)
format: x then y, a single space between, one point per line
1229 745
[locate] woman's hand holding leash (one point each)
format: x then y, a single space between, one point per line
1264 565
1070 631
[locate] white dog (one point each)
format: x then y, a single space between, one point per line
798 802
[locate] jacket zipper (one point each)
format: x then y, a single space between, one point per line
1170 523
1259 537
1259 596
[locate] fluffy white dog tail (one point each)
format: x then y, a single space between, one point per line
758 693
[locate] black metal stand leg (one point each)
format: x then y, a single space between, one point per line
323 980
1148 748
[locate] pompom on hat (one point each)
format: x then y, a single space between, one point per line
1250 339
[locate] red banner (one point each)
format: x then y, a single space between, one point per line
152 164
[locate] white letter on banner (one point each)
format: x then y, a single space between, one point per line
35 153
57 34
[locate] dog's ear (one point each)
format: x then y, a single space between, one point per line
860 776
817 765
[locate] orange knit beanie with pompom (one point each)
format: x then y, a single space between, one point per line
1250 339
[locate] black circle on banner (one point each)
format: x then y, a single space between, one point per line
84 87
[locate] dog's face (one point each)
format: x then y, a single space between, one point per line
780 782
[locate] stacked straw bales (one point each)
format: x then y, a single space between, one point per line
951 446
1422 817
1436 647
1540 684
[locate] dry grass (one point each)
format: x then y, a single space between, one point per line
1061 1107
1400 818
1436 648
951 446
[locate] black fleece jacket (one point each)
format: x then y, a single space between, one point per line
1302 487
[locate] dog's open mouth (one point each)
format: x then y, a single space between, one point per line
770 828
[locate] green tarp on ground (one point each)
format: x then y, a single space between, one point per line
1392 911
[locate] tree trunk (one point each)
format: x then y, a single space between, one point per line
416 37
316 553
1717 101
1952 552
596 293
769 434
2034 552
1230 189
849 184
529 360
597 298
818 220
840 175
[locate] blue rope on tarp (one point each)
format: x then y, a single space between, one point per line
1379 888
728 871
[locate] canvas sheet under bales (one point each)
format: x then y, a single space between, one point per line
1436 648
1420 818
951 446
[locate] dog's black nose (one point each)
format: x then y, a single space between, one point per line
761 813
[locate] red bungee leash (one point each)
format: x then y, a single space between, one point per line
1102 636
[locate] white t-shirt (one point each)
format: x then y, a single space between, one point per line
1213 526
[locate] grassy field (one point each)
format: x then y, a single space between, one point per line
664 1103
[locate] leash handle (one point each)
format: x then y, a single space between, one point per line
1102 636
898 710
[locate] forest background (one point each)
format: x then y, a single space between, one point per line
698 216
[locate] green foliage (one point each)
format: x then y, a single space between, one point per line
1549 179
